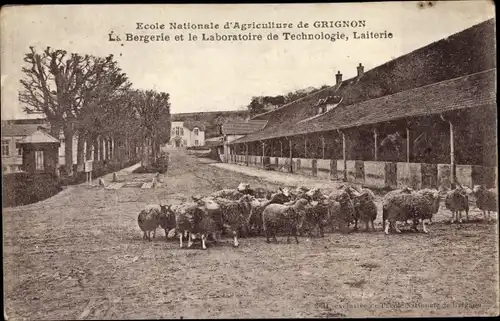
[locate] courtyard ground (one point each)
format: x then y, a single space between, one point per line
80 255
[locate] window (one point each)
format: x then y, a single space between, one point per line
196 131
176 131
19 152
196 142
39 160
182 131
185 142
5 148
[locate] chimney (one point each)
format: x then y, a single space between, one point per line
361 70
338 77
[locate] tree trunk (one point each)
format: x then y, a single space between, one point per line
144 153
80 153
68 151
101 149
88 150
96 149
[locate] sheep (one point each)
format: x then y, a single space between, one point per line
365 209
254 221
457 201
149 219
192 218
414 206
167 220
388 196
227 193
341 209
433 196
486 199
213 209
315 214
234 214
277 216
299 192
258 192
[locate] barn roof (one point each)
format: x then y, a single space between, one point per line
243 127
471 91
467 52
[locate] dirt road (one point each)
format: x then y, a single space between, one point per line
80 255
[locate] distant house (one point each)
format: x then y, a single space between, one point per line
233 130
186 134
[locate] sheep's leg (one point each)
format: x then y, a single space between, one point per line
386 227
154 233
180 239
203 238
396 229
294 233
424 229
190 240
459 214
267 235
373 226
166 233
144 236
452 217
149 236
235 235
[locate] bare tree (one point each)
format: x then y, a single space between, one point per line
52 84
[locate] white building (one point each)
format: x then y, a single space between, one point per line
186 134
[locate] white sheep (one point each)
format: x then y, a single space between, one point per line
417 206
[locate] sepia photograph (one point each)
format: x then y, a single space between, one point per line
210 161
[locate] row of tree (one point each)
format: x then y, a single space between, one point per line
262 104
92 98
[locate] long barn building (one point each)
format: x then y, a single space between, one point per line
425 119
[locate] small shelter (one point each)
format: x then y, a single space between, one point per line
40 152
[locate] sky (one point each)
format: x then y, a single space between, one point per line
213 76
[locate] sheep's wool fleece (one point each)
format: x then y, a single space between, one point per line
408 206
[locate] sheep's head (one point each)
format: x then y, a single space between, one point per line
314 194
196 198
285 191
478 189
407 189
166 209
464 190
243 187
280 197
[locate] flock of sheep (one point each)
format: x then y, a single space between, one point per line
245 211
